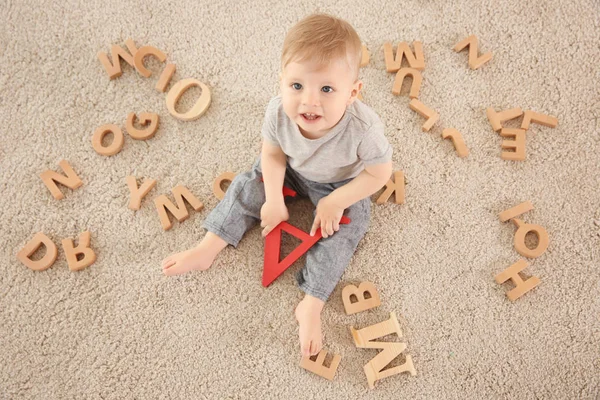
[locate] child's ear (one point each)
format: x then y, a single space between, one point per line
355 91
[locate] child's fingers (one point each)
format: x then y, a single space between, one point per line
315 226
267 230
324 230
267 222
336 226
329 228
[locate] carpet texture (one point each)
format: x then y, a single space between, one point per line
120 329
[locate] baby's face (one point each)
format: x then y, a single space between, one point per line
316 97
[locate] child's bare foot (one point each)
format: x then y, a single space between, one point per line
308 314
200 257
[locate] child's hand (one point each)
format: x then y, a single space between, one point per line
271 214
327 217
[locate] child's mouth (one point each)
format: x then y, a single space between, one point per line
310 117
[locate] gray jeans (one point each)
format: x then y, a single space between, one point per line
326 260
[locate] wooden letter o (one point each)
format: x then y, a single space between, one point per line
519 241
201 104
115 146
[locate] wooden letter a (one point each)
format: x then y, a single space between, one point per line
272 266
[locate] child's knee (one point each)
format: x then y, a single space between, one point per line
360 217
248 190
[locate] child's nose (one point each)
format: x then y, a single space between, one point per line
310 98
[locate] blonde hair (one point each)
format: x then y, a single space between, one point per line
322 38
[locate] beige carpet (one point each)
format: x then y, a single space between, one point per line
120 329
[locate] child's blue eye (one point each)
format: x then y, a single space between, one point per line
297 86
327 87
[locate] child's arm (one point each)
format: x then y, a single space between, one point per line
273 163
370 180
273 169
330 208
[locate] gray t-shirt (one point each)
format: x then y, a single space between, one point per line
357 140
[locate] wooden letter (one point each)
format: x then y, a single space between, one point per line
516 211
226 176
522 231
365 56
145 119
317 366
416 61
201 104
165 78
391 187
115 146
497 118
362 304
273 267
138 59
373 369
458 141
521 286
114 70
71 180
89 256
363 338
138 194
180 212
32 246
518 144
417 78
542 119
422 110
474 62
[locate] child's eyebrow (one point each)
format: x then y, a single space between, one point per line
326 83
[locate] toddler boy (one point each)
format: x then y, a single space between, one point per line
323 143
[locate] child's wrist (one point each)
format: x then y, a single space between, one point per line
274 197
336 199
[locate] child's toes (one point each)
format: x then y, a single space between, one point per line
173 269
305 349
312 349
316 348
